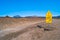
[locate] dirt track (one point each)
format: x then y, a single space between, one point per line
33 32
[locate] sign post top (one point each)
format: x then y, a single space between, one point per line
48 13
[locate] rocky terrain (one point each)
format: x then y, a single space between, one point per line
30 29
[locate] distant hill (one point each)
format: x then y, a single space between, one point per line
17 16
32 17
56 16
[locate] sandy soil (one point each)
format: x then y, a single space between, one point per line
30 31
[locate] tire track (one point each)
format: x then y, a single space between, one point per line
16 34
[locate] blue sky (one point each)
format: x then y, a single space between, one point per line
29 7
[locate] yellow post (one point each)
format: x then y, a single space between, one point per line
48 17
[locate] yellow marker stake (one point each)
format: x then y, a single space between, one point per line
48 17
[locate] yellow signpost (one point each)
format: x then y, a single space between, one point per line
48 17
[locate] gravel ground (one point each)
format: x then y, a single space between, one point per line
35 33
